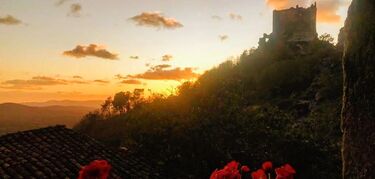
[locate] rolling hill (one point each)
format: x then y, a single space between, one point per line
17 117
87 103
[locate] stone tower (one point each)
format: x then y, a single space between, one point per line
295 24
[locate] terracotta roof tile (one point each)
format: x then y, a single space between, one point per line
58 152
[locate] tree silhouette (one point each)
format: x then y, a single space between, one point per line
106 108
121 102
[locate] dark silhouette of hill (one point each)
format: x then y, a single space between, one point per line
277 102
87 103
17 117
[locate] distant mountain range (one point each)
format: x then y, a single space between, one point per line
17 117
88 103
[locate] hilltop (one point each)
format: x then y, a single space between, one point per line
17 117
87 103
270 103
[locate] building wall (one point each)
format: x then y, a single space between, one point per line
295 24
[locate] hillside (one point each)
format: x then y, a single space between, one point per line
271 103
88 103
16 117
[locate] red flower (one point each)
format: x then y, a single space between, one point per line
230 171
290 169
259 174
245 169
267 165
285 172
233 165
97 169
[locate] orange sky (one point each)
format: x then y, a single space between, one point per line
81 50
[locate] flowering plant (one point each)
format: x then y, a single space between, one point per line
231 171
97 169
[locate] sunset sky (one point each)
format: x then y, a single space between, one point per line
91 49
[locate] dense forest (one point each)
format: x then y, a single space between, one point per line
278 103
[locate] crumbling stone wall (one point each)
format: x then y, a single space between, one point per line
296 24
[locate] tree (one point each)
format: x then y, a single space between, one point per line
137 97
106 109
121 102
326 37
358 114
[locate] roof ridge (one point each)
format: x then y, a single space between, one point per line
34 130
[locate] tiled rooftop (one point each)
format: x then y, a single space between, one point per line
58 152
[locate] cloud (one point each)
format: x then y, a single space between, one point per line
216 17
160 67
131 82
101 81
61 2
223 37
167 74
78 82
9 20
234 16
166 58
279 4
77 77
156 19
94 50
37 82
327 9
134 57
119 77
75 10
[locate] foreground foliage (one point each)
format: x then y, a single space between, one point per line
267 104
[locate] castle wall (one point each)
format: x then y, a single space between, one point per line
295 24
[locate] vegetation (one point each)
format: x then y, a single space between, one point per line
272 103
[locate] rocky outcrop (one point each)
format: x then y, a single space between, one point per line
358 114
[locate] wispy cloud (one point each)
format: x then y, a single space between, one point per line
223 37
160 67
235 16
77 77
75 10
126 80
134 57
156 19
120 77
37 82
9 20
216 17
94 50
131 82
61 2
166 74
166 58
327 11
101 81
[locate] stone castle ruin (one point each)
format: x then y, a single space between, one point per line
296 25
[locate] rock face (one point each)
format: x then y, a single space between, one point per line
358 114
